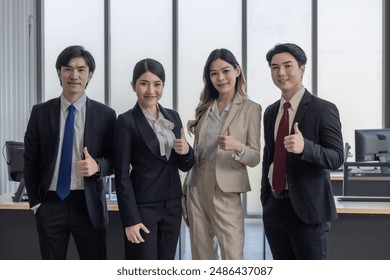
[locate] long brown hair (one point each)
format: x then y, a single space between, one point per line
209 92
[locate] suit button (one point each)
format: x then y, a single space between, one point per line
219 154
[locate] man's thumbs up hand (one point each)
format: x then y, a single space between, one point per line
294 143
88 166
85 152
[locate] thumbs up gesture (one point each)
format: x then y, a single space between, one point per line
229 143
294 143
180 145
88 166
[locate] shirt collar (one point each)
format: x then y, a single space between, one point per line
160 116
215 109
79 104
294 101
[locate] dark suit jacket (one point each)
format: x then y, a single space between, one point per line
41 149
308 175
152 178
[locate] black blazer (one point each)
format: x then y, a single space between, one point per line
41 148
308 175
152 178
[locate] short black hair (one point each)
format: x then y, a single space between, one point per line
75 51
291 48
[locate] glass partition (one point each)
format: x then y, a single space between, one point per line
203 26
267 27
139 29
350 61
73 22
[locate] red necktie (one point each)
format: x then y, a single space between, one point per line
280 154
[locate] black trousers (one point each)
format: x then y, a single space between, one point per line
289 238
57 219
163 220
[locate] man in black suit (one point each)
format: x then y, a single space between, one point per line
82 209
297 219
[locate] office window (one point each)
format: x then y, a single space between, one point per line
139 29
73 22
350 62
267 27
203 26
280 22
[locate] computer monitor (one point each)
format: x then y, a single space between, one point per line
372 145
15 161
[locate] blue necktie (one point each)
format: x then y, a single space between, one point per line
64 175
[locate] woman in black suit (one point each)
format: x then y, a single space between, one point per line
150 148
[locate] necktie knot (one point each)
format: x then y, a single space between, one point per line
286 106
71 109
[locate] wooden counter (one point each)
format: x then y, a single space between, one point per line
336 176
362 207
7 203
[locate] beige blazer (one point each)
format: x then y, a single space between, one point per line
244 119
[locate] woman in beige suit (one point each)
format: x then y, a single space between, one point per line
227 140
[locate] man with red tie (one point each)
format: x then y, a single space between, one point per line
303 141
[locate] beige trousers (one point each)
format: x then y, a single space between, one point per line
215 218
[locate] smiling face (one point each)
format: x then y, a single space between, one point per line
287 74
149 90
74 78
223 76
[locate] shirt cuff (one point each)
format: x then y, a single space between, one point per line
238 156
36 206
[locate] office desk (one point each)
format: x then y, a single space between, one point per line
361 232
19 238
337 178
360 185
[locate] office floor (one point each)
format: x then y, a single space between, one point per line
254 245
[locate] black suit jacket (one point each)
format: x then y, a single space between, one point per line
152 178
308 175
41 149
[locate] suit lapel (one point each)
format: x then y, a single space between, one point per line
89 117
146 131
201 125
234 109
54 119
237 102
273 112
302 108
